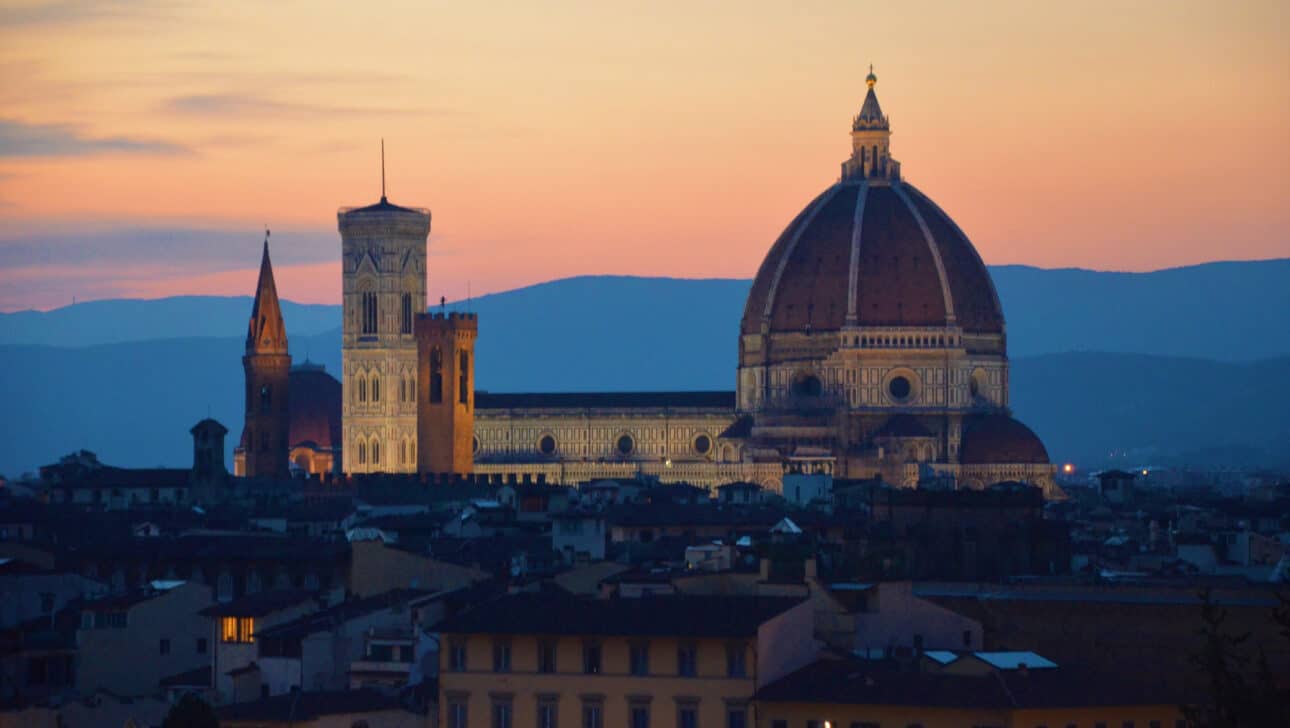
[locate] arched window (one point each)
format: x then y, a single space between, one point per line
403 451
369 312
376 388
463 379
412 451
376 451
436 375
362 388
266 397
362 453
406 318
403 389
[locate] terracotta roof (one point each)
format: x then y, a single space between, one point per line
858 682
315 401
998 438
806 277
308 706
259 604
606 400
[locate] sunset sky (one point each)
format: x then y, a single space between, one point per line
144 145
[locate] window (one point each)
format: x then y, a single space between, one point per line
591 658
201 645
369 313
736 660
626 445
737 717
237 629
436 375
362 453
639 658
457 657
638 715
546 445
165 646
463 378
376 452
546 656
456 713
362 389
547 717
593 714
266 397
686 659
502 713
702 444
502 656
687 716
779 723
376 388
899 388
406 319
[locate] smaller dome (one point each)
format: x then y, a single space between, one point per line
990 439
315 404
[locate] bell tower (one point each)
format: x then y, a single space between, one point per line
446 397
383 279
267 366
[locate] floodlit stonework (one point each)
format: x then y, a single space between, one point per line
383 256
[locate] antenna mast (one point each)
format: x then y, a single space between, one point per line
382 169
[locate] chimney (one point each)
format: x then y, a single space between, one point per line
809 570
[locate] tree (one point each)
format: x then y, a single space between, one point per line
191 712
1241 694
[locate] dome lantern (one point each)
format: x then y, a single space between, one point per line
870 141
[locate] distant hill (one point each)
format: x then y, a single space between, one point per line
1195 361
133 403
1238 311
127 319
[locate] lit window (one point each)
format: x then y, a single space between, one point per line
237 629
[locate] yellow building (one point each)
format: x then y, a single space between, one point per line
659 662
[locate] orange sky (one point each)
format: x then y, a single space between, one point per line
651 138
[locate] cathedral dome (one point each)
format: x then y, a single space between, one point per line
998 438
315 407
872 251
868 254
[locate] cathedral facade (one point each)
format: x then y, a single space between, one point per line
872 344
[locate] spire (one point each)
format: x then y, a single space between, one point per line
870 116
266 333
383 170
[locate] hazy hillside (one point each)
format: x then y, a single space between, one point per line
134 402
111 321
1225 311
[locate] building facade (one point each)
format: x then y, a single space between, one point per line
383 254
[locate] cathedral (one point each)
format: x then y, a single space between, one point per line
872 344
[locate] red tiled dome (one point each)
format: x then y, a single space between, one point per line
315 399
912 267
991 439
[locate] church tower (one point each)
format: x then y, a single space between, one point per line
267 365
446 411
383 277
